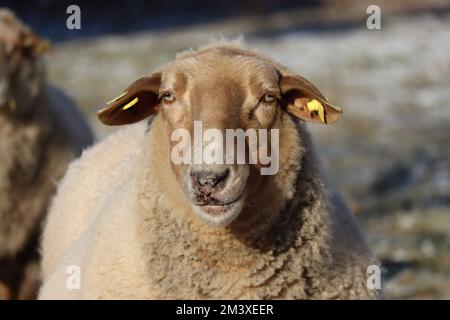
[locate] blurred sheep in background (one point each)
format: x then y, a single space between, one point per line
41 131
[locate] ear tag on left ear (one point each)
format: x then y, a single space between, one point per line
42 47
12 104
315 105
117 98
130 104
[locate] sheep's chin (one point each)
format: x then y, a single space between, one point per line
219 216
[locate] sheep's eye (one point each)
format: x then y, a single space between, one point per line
269 98
168 97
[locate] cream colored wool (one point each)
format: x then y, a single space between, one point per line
121 217
39 135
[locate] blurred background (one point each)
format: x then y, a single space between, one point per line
389 155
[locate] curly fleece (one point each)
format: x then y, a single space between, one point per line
121 217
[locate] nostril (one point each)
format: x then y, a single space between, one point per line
223 175
209 179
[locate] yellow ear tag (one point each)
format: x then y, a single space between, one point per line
315 105
42 47
130 104
117 98
12 104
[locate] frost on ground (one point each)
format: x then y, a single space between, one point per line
390 153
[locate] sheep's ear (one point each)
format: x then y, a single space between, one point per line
33 45
136 103
302 99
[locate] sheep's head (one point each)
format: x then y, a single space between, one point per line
210 92
21 68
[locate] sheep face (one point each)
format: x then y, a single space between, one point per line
21 68
198 99
218 90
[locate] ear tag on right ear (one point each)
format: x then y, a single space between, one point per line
315 105
130 104
117 98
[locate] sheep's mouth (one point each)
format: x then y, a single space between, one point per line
219 215
217 207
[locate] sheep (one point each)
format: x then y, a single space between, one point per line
41 131
129 223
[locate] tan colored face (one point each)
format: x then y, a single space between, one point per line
221 90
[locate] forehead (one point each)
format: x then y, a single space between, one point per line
219 70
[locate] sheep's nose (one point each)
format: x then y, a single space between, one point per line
205 181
